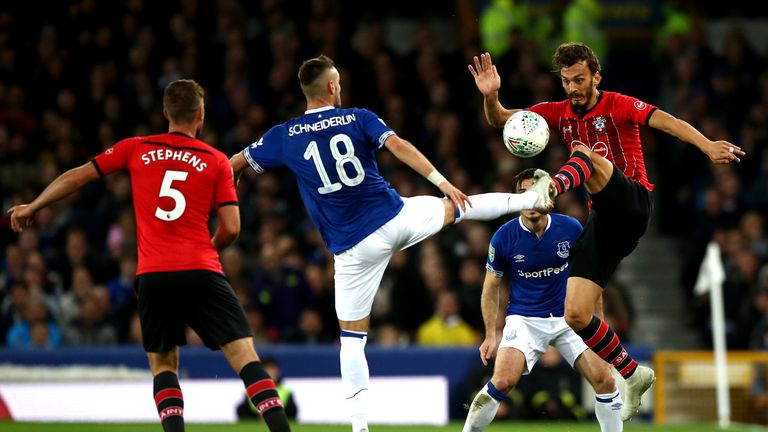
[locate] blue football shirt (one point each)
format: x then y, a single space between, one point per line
332 152
537 268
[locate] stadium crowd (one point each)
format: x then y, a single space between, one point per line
83 76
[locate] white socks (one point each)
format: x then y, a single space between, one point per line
483 409
607 407
490 206
355 377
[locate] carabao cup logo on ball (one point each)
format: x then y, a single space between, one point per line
526 134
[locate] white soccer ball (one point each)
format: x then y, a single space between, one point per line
526 134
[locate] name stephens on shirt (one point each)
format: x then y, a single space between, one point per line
174 155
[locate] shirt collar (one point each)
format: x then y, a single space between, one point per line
522 225
314 110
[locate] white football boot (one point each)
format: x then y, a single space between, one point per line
637 384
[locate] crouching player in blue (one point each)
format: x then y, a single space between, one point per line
533 252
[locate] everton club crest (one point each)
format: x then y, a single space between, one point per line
563 249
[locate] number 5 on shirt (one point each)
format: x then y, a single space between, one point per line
166 190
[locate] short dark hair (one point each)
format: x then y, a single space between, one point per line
570 53
181 100
517 183
310 70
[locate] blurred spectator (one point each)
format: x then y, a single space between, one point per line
42 337
121 236
91 327
26 332
409 304
232 261
471 276
311 329
14 263
261 334
446 328
38 278
122 298
71 301
320 280
552 393
388 335
78 252
581 22
12 307
281 291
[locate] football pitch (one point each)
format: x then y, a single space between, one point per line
453 426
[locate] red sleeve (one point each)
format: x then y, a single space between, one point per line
115 158
225 187
636 110
551 112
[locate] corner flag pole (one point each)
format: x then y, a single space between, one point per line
712 267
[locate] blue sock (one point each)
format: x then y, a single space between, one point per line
495 393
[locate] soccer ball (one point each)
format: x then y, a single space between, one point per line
526 134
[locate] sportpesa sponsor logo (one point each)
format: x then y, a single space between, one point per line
321 124
543 272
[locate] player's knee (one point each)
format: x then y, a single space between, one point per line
164 362
576 318
504 384
452 214
603 381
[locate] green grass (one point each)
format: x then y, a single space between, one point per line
454 426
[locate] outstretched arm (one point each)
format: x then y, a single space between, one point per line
411 156
63 185
719 152
490 304
488 82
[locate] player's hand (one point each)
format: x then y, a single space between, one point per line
723 152
460 200
486 77
488 349
21 217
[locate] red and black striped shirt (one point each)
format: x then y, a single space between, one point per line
611 129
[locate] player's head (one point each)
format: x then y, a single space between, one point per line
522 182
320 80
579 70
183 102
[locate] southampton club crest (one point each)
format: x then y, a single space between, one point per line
599 124
563 249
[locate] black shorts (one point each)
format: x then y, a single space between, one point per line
202 299
619 217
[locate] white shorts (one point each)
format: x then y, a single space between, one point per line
533 336
358 270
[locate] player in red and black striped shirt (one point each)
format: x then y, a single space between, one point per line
176 180
601 130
